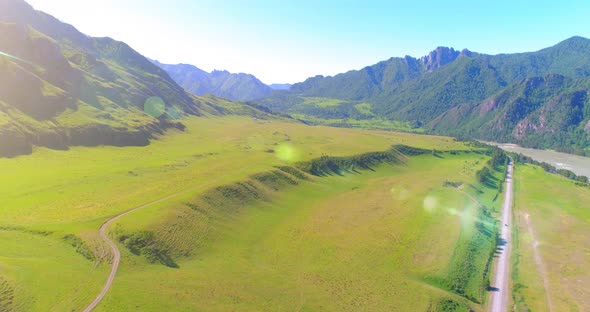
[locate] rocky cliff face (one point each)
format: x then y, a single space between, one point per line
439 57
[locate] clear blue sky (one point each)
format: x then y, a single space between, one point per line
288 41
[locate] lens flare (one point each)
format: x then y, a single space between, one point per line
15 58
174 112
467 216
453 211
286 152
154 106
430 203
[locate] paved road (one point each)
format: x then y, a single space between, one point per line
501 294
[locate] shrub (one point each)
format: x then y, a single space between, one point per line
79 245
144 243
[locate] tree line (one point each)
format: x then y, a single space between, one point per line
550 168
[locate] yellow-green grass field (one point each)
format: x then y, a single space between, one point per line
41 273
393 239
86 184
273 252
373 123
557 275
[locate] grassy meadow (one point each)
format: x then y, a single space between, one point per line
376 239
393 239
373 123
553 252
42 273
86 184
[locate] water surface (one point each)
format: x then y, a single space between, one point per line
578 164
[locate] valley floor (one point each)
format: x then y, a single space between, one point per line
389 239
406 235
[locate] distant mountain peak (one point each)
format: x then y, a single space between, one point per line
218 71
439 57
466 52
576 43
222 83
577 38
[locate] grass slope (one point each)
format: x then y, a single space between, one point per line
560 218
44 273
61 193
370 241
61 88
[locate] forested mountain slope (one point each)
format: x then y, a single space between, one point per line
441 91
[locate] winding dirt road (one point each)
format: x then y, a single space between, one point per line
499 302
115 249
501 284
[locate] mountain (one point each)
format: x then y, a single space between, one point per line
280 86
441 90
547 112
237 87
59 87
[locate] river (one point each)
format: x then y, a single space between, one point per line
577 164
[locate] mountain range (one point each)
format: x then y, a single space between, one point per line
59 87
537 99
237 87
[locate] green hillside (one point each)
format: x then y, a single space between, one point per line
548 112
447 92
59 87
